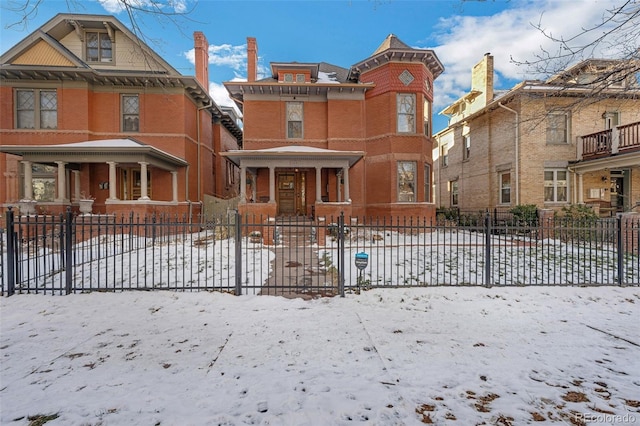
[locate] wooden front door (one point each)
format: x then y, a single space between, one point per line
291 193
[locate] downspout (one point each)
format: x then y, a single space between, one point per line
199 169
517 176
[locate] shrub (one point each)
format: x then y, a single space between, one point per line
525 214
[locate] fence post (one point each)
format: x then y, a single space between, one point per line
68 250
238 230
619 248
341 266
487 249
11 253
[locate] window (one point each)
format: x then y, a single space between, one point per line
130 113
406 181
505 188
557 128
555 186
466 147
611 120
427 183
427 117
454 192
300 78
43 182
99 47
294 120
406 113
445 155
36 109
230 177
288 77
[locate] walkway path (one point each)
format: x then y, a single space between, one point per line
296 270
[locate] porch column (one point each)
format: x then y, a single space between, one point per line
144 195
76 184
112 180
580 189
28 180
62 183
243 183
254 179
174 186
345 176
318 185
272 184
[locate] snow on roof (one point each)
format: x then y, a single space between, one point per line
104 143
327 77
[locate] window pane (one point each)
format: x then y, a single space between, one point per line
295 120
295 129
406 112
556 128
130 113
427 183
130 104
92 46
26 120
25 109
48 109
406 181
105 48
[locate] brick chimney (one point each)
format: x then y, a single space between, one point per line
201 47
482 79
252 59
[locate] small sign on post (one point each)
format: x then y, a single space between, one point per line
362 261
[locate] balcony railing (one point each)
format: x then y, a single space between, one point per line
608 142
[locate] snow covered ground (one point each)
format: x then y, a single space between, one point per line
406 356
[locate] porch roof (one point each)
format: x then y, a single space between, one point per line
99 151
620 161
295 155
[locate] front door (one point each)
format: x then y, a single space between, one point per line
291 193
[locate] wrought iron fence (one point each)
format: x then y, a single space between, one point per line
301 257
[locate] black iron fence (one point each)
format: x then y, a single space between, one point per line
300 257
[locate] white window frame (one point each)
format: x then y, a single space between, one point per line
557 135
300 78
454 187
38 109
445 155
504 188
406 113
466 147
556 184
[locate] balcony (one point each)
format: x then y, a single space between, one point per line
616 141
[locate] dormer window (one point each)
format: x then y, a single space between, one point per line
99 48
300 78
288 77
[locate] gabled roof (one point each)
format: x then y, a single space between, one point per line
61 25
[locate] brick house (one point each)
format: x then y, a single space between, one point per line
320 139
542 143
88 109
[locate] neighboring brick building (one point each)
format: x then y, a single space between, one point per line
322 139
88 109
543 143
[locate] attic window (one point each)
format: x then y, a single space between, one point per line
288 77
300 78
99 48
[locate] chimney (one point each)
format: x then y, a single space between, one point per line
201 47
252 59
482 78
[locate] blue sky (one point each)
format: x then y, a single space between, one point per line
343 32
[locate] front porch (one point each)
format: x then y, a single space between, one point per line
607 170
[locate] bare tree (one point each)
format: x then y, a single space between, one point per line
615 39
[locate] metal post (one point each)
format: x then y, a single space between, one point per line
11 254
341 265
620 248
68 250
238 230
487 250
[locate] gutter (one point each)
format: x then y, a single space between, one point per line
517 174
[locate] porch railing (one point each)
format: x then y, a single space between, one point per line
612 141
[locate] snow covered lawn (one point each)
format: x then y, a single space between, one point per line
444 355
